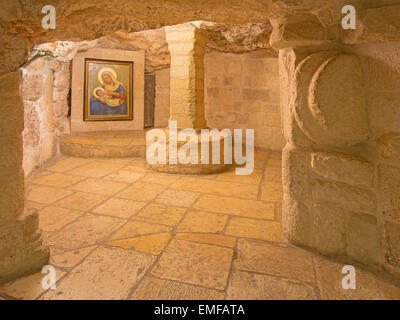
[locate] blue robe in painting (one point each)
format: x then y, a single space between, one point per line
101 109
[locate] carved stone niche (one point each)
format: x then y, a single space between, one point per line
329 102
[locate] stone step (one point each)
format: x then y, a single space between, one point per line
115 144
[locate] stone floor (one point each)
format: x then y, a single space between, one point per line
118 231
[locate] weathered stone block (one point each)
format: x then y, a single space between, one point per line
253 66
389 190
273 120
298 31
256 94
351 198
389 146
391 244
20 253
55 65
162 77
60 94
31 221
12 193
297 222
343 168
383 110
32 87
271 68
381 24
186 32
362 238
330 229
61 79
61 108
295 172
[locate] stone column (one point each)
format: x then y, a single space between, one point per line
187 44
21 248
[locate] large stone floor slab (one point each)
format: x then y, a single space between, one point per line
46 195
54 218
81 201
251 286
200 221
195 263
159 289
59 180
368 285
141 191
99 186
223 188
107 273
121 208
235 206
151 244
67 163
70 259
281 261
95 169
256 229
162 214
177 198
29 287
87 230
138 228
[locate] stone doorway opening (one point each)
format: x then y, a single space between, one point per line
241 87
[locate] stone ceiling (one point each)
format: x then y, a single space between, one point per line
222 37
77 20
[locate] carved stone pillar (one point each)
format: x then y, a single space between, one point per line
329 176
187 44
329 198
21 248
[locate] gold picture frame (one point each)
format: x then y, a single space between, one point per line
108 90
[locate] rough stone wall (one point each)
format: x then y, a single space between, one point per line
45 87
241 92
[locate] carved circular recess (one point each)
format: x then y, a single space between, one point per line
330 104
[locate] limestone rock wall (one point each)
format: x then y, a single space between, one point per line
45 87
241 92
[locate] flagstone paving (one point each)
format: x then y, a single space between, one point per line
119 231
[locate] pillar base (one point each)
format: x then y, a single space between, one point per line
189 168
200 167
22 251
